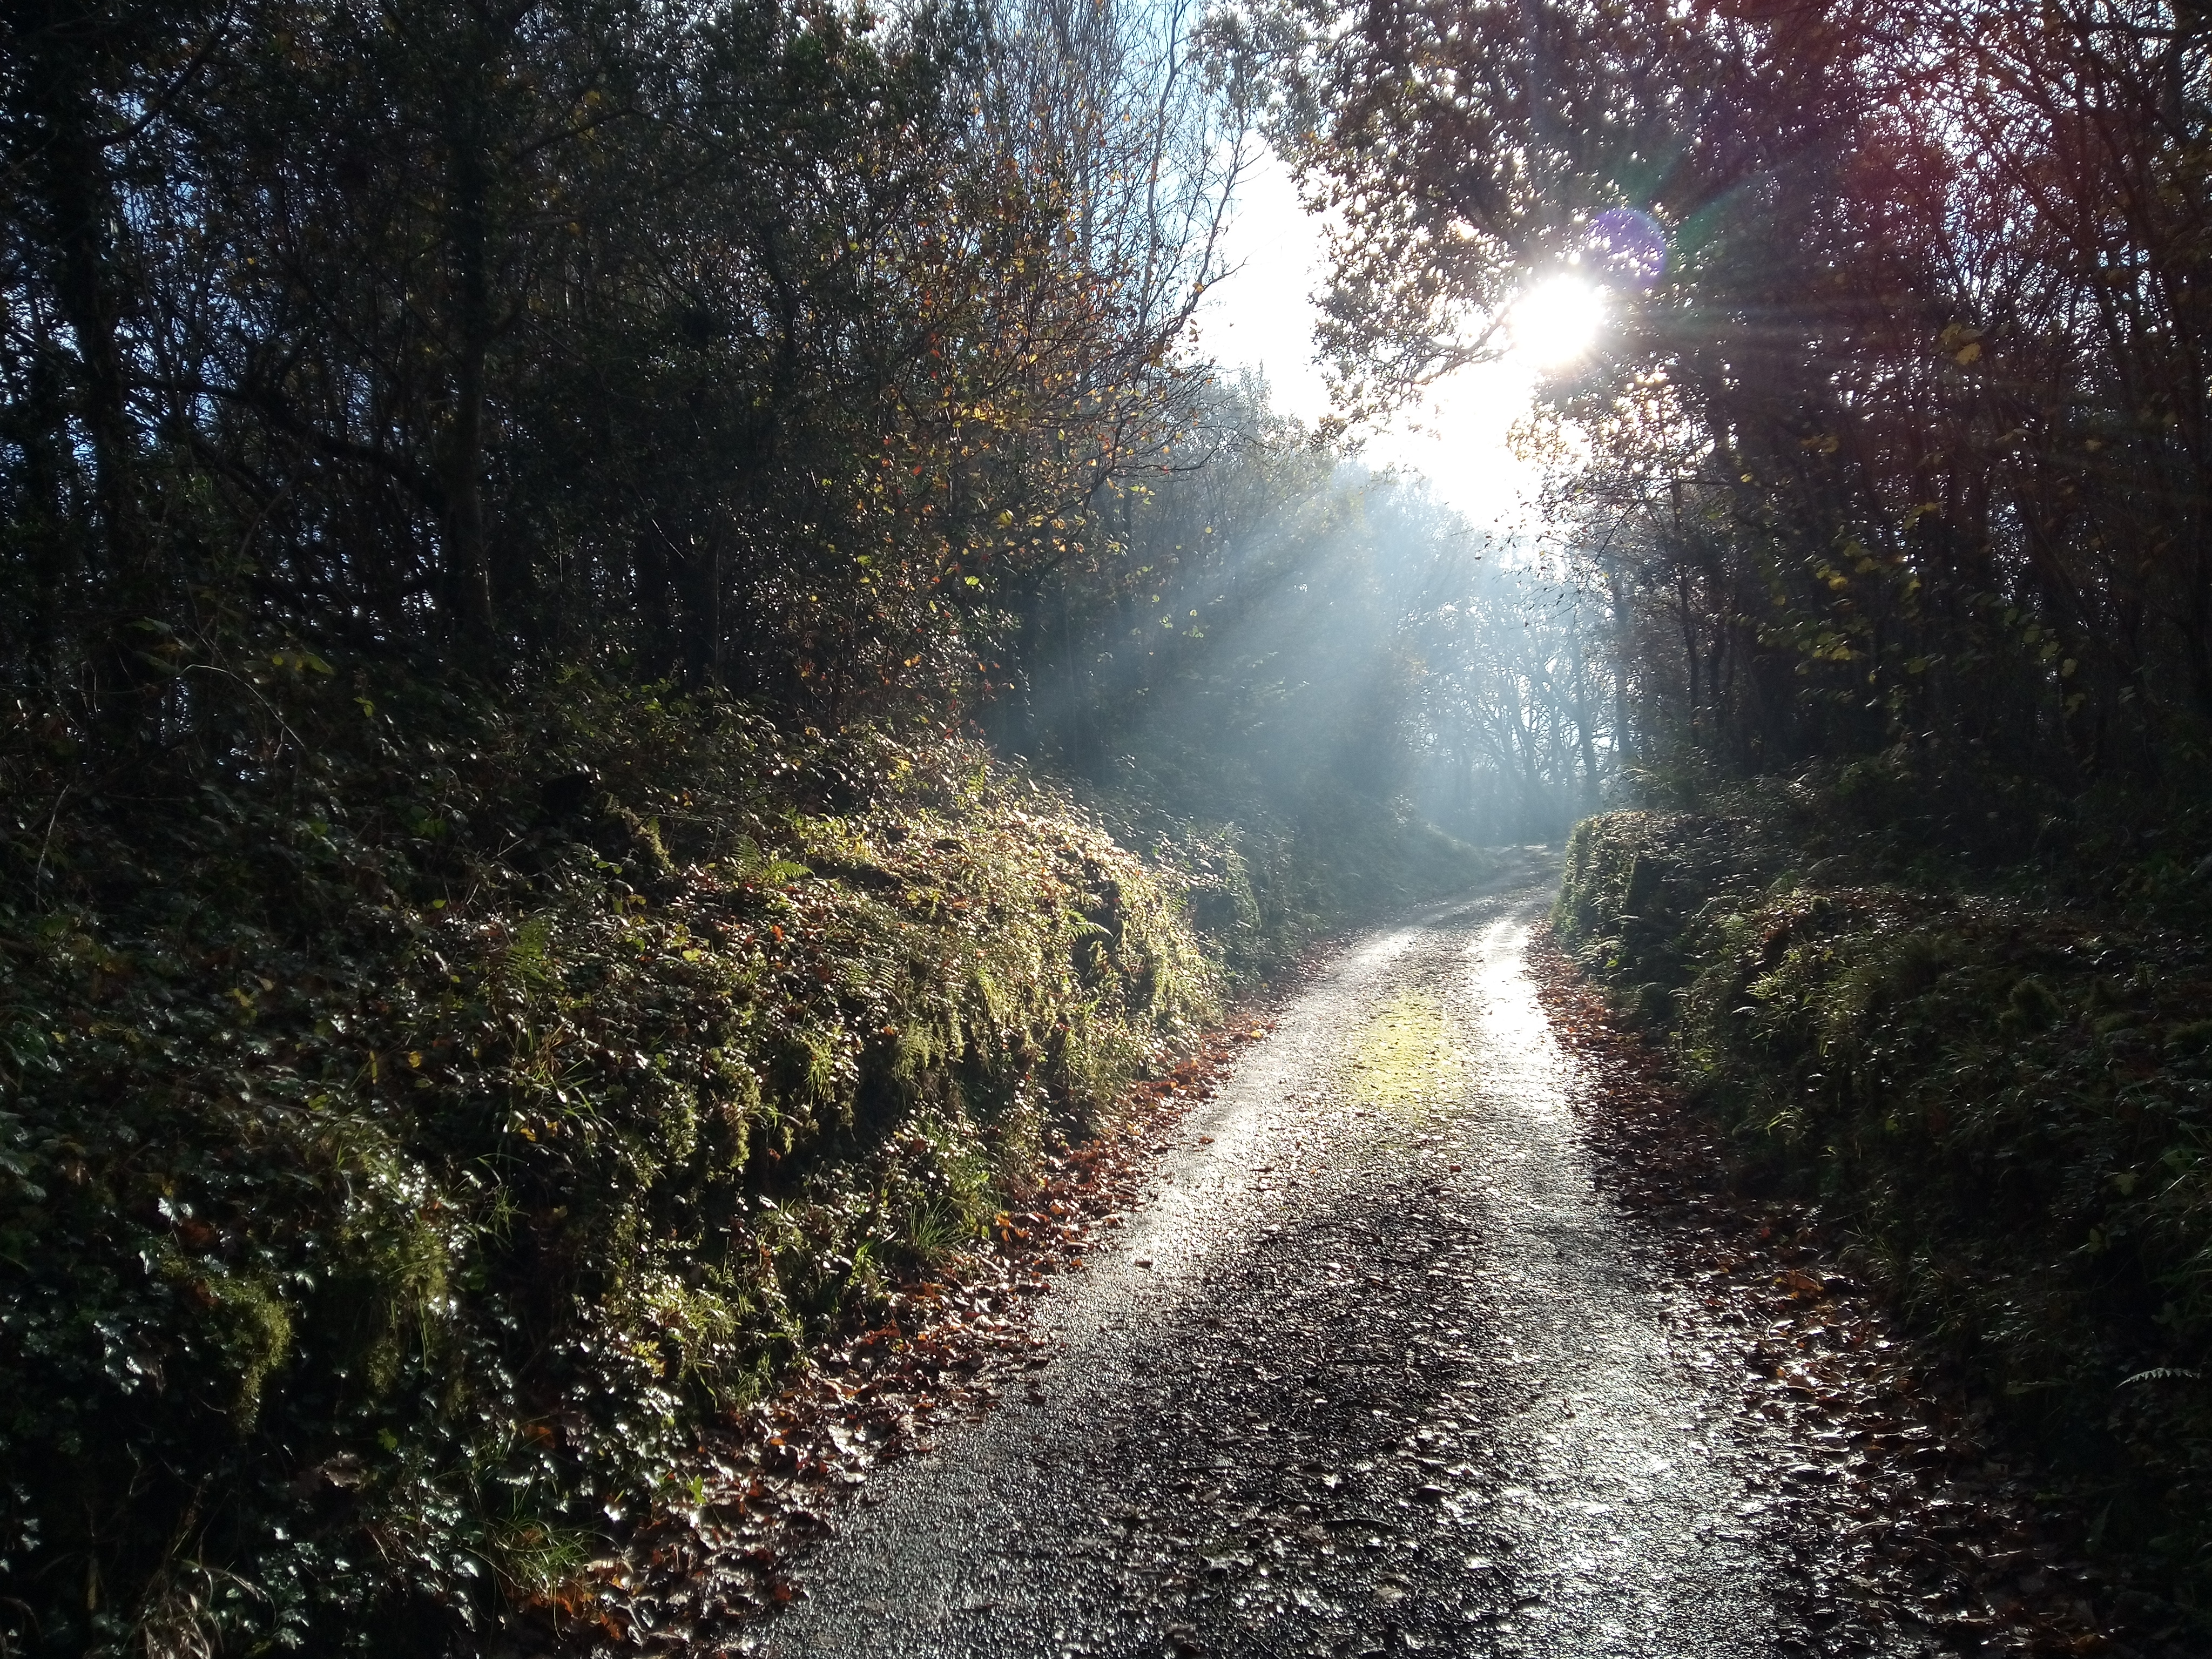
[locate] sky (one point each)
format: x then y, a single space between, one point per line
1261 316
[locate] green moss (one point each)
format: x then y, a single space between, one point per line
254 1337
482 1154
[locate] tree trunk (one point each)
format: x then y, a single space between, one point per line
702 611
69 178
655 624
1624 737
1583 740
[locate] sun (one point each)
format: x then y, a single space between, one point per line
1555 321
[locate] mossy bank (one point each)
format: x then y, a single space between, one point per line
2003 1099
418 1115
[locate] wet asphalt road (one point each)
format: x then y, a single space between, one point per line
1375 1369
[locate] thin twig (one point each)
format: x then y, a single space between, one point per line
46 846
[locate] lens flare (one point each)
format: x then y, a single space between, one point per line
1555 321
1628 247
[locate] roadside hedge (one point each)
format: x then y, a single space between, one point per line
417 1113
2005 1097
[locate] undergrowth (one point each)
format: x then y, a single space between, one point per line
1273 867
2003 1094
418 1114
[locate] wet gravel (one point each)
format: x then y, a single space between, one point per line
1376 1367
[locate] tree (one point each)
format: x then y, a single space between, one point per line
750 345
1901 451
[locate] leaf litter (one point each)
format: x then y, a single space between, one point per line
1947 1544
712 1558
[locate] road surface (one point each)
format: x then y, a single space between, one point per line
1375 1368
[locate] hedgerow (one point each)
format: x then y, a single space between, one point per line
419 1113
2004 1097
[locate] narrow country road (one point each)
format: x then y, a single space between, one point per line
1376 1369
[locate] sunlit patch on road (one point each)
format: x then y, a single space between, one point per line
1406 1061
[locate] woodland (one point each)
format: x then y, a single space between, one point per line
642 657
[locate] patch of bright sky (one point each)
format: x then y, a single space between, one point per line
1261 316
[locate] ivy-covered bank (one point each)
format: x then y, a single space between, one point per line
417 1116
2003 1098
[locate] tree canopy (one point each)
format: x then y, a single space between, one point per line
777 348
1897 443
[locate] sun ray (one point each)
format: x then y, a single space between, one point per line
1555 321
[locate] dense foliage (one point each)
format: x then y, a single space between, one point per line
777 348
2003 1105
402 1147
1896 437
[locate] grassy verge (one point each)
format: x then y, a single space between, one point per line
417 1117
2003 1099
